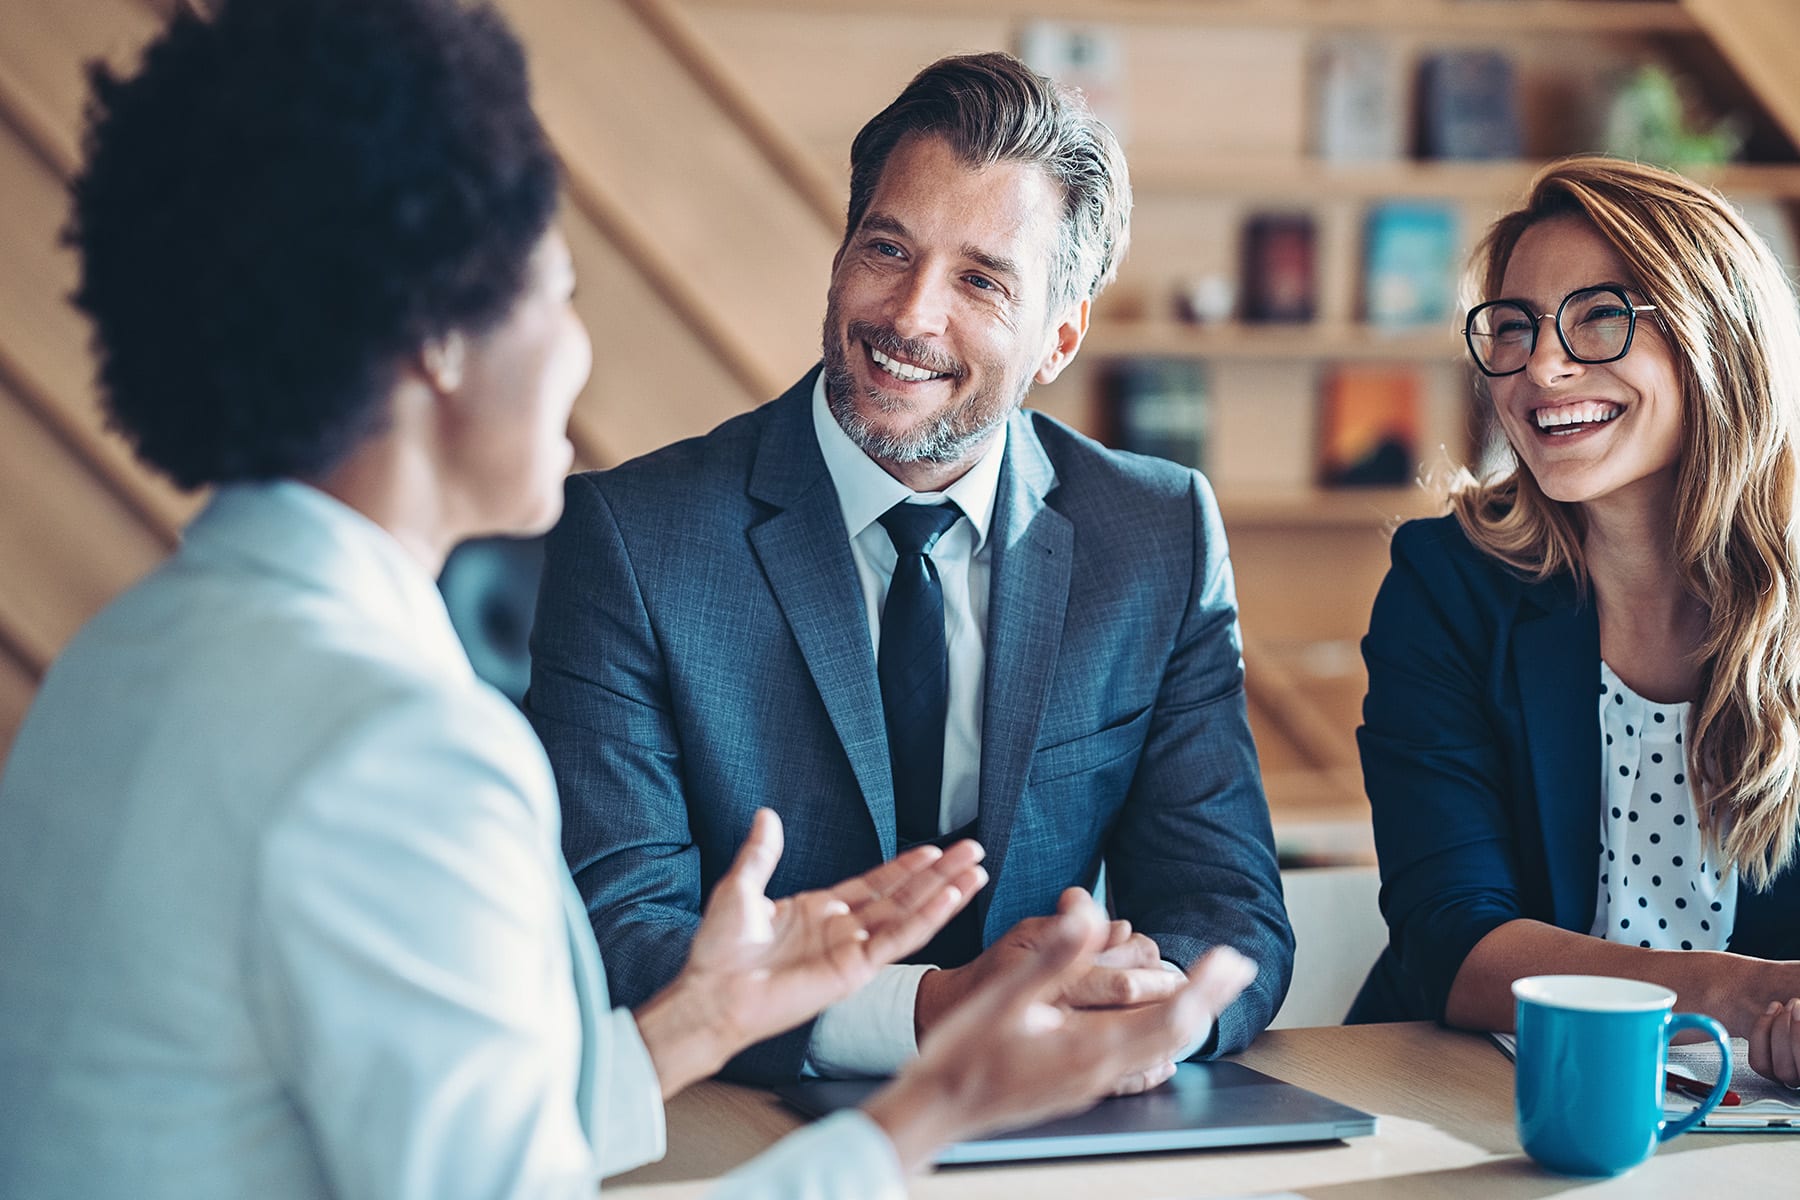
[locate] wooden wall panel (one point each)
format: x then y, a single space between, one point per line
44 45
43 351
823 74
654 382
17 685
79 518
67 549
1758 37
43 340
636 127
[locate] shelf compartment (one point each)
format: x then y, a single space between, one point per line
1299 342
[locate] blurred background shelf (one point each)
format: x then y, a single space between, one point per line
706 143
1308 341
1167 169
1433 16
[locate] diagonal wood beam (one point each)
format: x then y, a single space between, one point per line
790 157
53 147
615 222
48 141
1280 698
24 645
153 508
1758 38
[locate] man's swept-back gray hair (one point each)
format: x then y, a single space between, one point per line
993 108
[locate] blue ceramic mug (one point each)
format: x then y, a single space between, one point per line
1592 1052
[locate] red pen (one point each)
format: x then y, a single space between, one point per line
1696 1089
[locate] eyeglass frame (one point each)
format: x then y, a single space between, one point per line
1631 310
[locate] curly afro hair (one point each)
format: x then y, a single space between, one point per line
287 201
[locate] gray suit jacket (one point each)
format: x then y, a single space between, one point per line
701 649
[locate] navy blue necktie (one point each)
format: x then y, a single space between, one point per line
914 666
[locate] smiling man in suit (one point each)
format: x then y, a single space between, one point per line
897 607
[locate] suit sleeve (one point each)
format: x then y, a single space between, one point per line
599 702
1433 767
1191 861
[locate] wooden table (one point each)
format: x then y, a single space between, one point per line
1444 1101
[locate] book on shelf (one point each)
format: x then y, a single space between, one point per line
1359 112
1087 57
1468 106
1158 406
1278 268
1368 425
1409 264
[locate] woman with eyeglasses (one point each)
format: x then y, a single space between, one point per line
1582 732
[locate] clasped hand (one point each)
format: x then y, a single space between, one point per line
1126 972
1013 1051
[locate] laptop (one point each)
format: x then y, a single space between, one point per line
1205 1105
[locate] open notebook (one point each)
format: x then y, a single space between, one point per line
1764 1106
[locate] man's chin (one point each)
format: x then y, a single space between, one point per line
935 444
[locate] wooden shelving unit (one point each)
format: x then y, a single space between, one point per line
1195 188
1347 508
1158 170
1664 17
1300 342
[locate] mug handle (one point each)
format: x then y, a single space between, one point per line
1684 1021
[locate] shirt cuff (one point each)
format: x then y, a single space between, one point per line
634 1131
1207 1039
871 1032
846 1154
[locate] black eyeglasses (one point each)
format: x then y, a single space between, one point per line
1594 324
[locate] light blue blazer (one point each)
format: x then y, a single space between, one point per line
283 911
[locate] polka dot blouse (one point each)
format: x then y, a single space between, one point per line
1659 886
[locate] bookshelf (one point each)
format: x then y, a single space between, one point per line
1162 171
1198 183
1436 16
1299 342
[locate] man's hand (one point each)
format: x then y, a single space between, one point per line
1010 1053
759 966
1125 972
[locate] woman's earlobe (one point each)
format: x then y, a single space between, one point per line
442 361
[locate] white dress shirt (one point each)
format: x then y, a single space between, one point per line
871 1033
283 911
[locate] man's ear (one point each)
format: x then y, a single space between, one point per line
1067 340
441 361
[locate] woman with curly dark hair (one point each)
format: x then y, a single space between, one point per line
280 880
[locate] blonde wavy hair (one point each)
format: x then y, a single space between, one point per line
1724 304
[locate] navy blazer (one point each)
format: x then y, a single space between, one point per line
702 649
1482 759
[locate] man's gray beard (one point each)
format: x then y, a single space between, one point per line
945 440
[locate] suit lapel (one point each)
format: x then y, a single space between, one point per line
1555 658
804 551
1028 595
